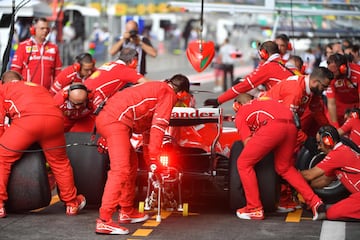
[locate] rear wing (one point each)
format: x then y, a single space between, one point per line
186 116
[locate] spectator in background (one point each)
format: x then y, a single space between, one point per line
309 60
226 52
218 72
131 38
37 59
81 69
98 38
331 49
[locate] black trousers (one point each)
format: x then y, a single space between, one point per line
228 69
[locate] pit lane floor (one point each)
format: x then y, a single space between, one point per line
209 218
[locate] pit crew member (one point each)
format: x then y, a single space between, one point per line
81 69
143 109
34 118
75 103
344 90
37 59
343 163
257 121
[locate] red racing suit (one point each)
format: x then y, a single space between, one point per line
268 73
66 77
38 63
75 119
344 163
295 93
270 126
110 78
34 118
346 92
144 108
352 128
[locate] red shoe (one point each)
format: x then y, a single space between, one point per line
109 227
287 205
133 216
74 210
2 211
250 214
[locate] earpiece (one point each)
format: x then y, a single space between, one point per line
133 63
263 54
72 87
343 69
79 59
289 46
326 137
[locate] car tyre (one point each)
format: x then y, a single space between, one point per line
28 186
89 166
268 181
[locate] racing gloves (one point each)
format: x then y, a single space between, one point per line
211 102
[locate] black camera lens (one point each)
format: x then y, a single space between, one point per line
133 33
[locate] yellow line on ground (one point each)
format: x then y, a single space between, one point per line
294 216
54 200
142 232
151 223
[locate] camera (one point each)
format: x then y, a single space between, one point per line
133 33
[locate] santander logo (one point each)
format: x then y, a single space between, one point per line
195 113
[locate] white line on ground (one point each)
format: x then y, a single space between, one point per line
333 230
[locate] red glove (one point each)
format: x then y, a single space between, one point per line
102 145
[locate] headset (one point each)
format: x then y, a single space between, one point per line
263 54
133 63
72 87
328 136
32 28
343 68
78 59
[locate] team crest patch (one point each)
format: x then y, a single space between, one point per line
51 50
339 83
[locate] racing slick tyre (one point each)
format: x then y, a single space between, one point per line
89 166
268 181
329 194
28 186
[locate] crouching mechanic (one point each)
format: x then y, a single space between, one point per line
75 103
145 109
265 126
343 163
34 118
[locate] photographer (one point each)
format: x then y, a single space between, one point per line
132 39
